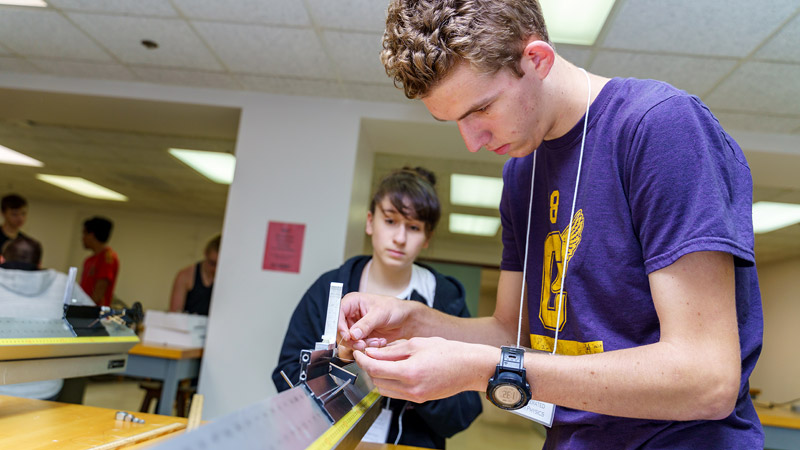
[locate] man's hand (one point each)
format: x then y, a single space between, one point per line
368 320
422 369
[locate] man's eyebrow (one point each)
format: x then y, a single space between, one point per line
476 106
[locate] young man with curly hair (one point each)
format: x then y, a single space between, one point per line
627 234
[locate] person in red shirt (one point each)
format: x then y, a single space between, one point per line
99 270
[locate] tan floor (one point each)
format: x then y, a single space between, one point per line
498 429
494 429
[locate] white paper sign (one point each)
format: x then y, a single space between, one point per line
537 411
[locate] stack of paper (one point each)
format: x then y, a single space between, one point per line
174 329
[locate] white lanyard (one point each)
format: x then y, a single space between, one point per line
569 230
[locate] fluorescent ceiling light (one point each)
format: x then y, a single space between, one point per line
471 224
37 3
215 166
575 21
474 190
8 156
770 216
82 187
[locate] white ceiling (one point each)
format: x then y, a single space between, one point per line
741 57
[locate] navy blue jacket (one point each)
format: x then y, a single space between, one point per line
424 425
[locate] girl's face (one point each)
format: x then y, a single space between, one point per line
396 240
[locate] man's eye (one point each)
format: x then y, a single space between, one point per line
483 109
389 221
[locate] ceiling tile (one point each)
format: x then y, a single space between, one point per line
259 50
36 132
186 77
84 69
291 86
761 193
784 45
159 8
212 145
757 122
385 92
362 15
178 46
11 64
273 12
773 170
788 196
576 54
692 74
356 55
759 87
682 26
46 33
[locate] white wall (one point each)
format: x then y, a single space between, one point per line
360 196
777 373
151 247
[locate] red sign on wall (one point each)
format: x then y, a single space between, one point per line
284 246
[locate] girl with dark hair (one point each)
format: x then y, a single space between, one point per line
401 219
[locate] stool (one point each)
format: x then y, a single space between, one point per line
153 392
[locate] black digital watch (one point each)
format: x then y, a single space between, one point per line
509 388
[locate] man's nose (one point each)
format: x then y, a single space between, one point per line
473 135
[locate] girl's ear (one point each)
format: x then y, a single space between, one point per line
369 223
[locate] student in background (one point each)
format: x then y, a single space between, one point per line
26 292
100 270
400 220
15 210
191 291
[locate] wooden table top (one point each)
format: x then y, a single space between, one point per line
166 352
39 424
782 417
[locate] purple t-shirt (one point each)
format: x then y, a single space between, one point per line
660 179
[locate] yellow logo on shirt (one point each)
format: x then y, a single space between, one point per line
557 254
559 248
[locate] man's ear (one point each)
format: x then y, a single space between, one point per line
369 223
538 56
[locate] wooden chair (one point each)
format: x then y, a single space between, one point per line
152 390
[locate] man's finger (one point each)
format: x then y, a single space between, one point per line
390 353
393 389
376 369
376 342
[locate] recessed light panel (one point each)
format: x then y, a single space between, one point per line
8 156
575 21
216 166
82 186
475 225
474 190
770 216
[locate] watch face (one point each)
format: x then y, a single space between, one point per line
507 395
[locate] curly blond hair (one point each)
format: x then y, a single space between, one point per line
424 39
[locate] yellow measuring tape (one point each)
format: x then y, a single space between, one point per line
67 340
335 433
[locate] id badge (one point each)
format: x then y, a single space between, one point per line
379 431
537 411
